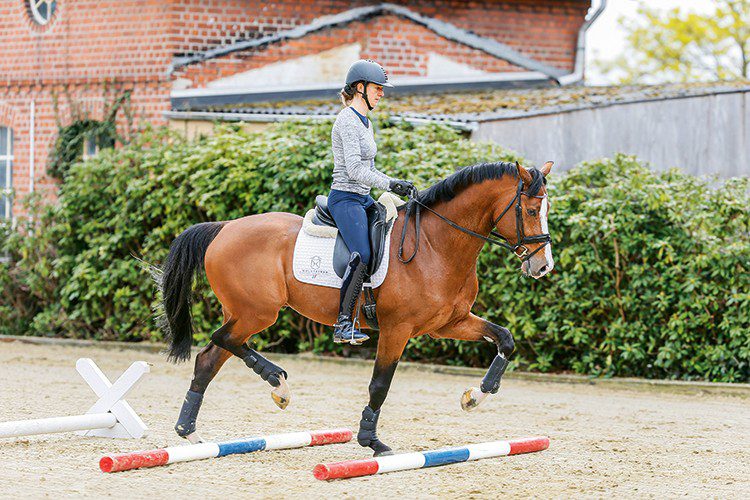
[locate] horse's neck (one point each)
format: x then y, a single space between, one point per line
472 208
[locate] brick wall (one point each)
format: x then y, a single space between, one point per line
546 30
87 45
148 100
400 45
87 40
133 42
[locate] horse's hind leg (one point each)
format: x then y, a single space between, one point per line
472 327
229 339
208 362
233 339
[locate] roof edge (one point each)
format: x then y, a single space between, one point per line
279 117
189 99
572 108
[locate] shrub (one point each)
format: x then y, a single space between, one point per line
651 276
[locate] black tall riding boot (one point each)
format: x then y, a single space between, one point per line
344 330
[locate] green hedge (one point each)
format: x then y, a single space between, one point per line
651 277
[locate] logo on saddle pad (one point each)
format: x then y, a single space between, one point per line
316 268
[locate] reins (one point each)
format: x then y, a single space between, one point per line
503 242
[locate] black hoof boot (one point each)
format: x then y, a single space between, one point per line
368 436
380 449
491 380
189 414
268 371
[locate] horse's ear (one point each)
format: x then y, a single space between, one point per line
523 174
546 168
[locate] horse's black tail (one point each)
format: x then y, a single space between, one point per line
175 280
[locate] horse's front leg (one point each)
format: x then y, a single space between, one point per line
472 327
390 347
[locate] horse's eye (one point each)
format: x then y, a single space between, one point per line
531 212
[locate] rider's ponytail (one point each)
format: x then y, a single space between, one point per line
347 95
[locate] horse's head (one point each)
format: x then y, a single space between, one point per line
523 222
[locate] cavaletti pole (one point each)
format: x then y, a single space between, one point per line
406 461
200 451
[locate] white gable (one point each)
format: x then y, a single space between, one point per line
327 67
441 67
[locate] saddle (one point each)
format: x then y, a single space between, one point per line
377 224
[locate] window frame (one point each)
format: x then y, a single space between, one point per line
6 163
37 16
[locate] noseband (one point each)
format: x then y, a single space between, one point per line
521 239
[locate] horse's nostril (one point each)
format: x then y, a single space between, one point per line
543 269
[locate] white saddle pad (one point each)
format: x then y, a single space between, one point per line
313 253
313 261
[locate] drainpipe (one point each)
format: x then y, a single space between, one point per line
31 149
577 75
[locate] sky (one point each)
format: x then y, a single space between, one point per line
606 39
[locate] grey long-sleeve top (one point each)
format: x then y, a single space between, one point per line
354 151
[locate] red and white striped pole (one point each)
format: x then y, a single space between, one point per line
406 461
200 451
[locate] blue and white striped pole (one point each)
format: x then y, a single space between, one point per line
406 461
200 451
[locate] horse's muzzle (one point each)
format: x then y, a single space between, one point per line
538 265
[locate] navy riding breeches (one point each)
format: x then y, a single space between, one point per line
349 212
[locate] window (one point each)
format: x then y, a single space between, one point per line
90 147
42 10
6 172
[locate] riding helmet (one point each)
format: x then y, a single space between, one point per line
366 70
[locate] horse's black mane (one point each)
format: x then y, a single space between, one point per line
448 188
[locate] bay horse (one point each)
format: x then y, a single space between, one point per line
248 263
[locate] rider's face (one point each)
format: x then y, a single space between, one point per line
374 93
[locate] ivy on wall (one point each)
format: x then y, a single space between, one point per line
72 138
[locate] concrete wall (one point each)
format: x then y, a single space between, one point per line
701 135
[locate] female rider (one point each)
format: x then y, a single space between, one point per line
354 174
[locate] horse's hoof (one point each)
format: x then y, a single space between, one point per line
471 398
193 438
380 449
281 395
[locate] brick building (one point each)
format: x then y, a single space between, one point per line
63 59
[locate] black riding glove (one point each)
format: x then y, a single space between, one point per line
400 187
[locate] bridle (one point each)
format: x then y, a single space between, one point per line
521 239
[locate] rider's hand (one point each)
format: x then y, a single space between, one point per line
401 187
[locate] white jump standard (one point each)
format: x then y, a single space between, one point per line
111 416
